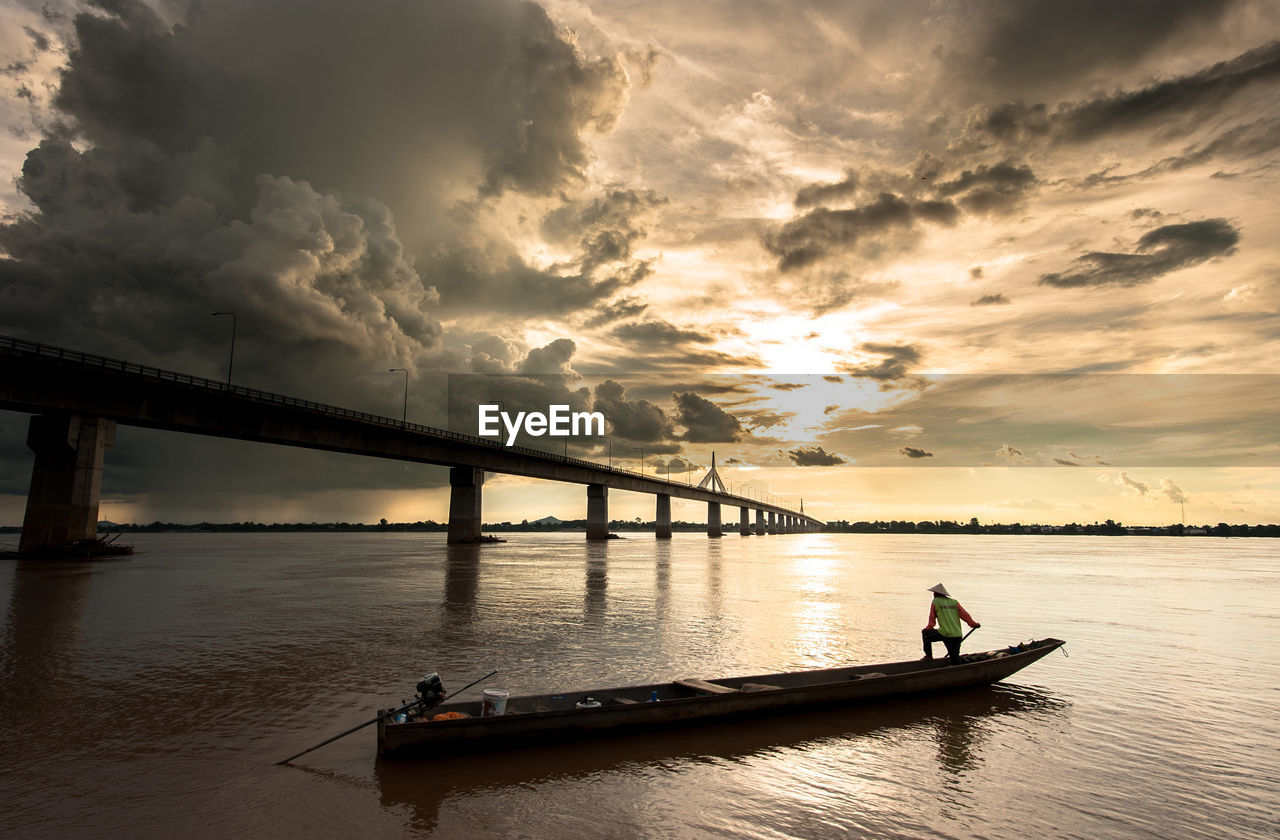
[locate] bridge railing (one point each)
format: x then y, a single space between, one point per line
202 383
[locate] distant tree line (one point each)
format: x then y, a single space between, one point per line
1107 528
880 526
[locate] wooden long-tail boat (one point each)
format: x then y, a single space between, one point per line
465 726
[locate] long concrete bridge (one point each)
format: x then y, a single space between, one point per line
78 399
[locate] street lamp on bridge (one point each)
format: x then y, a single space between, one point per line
404 416
231 361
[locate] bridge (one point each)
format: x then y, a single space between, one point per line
77 400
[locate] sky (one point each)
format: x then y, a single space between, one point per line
899 260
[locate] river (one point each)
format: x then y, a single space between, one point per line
150 696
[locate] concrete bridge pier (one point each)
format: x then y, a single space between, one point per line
597 512
760 522
713 520
66 480
464 504
744 522
773 522
662 518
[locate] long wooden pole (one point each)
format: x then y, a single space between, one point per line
387 713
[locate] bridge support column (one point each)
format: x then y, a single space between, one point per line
662 518
760 522
597 512
744 522
464 504
713 520
66 480
773 522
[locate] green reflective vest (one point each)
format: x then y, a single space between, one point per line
948 613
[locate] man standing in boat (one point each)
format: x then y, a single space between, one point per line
946 612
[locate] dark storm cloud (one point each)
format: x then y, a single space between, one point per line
489 278
823 232
1158 252
657 344
895 362
39 40
616 310
814 456
813 195
636 420
411 82
914 453
1255 140
1180 103
264 161
606 227
1028 44
660 332
704 421
990 189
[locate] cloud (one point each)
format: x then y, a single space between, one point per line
1012 455
1158 252
627 307
990 189
1175 493
896 210
606 227
1252 141
914 453
812 195
1181 103
1139 487
996 299
1088 38
814 456
636 420
553 358
704 421
821 233
678 466
767 419
895 362
660 333
658 344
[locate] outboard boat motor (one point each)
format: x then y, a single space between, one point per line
431 691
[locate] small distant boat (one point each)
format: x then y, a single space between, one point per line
459 727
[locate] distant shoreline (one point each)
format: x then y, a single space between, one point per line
1108 528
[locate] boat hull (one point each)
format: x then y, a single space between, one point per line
555 717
